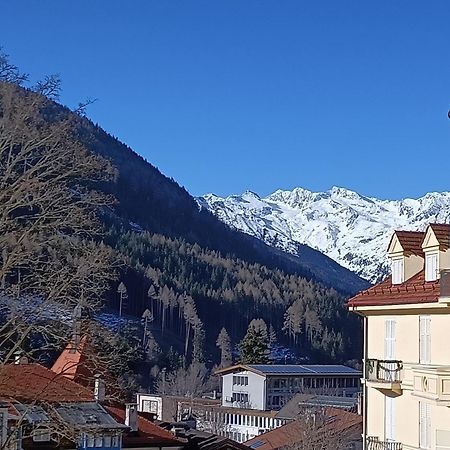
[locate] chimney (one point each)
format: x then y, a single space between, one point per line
99 388
131 416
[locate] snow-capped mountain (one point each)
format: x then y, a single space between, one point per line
351 229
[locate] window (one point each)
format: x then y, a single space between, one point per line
425 340
276 400
431 267
41 435
90 440
115 441
99 441
424 425
150 406
397 271
240 397
107 441
389 417
240 381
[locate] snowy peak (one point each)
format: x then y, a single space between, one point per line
348 227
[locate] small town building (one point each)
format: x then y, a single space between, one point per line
406 333
269 387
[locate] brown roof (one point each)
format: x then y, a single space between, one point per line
414 290
337 421
411 241
149 434
442 233
33 382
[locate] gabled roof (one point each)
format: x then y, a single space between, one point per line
33 382
72 364
148 435
414 290
338 421
291 369
411 241
442 233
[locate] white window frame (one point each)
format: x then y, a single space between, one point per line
431 266
424 339
424 425
398 271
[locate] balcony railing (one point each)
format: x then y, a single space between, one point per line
373 443
386 370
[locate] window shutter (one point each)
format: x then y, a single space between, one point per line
431 267
424 425
425 340
389 339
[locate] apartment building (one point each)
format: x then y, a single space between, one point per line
270 386
406 345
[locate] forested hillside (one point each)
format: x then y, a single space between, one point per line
193 273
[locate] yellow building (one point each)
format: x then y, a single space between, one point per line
407 345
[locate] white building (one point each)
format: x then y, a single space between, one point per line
269 387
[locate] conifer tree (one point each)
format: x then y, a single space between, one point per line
224 343
254 347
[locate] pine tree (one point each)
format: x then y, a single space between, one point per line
254 348
224 343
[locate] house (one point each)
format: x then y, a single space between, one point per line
317 427
143 433
208 415
269 387
41 409
406 330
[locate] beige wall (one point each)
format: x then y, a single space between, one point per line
407 350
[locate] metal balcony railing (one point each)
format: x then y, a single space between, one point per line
373 443
384 370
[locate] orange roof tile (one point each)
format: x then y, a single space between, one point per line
148 432
71 363
33 382
414 290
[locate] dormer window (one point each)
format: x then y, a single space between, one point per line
397 271
431 266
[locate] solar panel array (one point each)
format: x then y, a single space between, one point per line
278 369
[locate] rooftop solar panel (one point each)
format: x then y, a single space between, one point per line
257 444
278 369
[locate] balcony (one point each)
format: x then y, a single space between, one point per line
384 374
432 383
373 443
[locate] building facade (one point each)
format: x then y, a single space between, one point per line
269 387
406 334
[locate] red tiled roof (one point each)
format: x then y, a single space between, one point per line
33 382
291 433
411 241
149 434
71 363
442 233
414 290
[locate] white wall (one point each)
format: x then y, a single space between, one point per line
256 390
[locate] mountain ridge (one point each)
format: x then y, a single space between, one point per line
350 228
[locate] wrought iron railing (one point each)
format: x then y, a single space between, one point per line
387 370
373 443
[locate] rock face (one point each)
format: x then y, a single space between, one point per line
351 229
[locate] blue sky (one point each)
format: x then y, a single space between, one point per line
229 95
